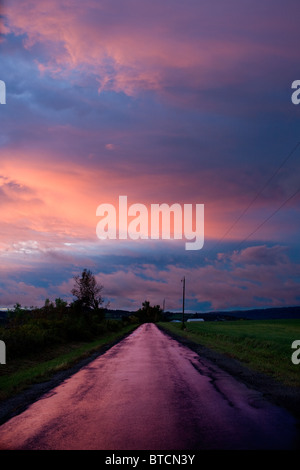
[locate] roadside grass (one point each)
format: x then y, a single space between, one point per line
262 345
20 373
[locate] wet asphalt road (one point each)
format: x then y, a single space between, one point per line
149 392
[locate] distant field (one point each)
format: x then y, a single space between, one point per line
263 345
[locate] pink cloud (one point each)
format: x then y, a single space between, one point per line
223 286
56 203
260 255
57 167
20 292
245 280
138 47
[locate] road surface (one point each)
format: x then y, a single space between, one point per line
149 392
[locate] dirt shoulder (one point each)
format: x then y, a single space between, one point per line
273 391
18 403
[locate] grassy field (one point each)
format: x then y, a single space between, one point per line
20 373
262 345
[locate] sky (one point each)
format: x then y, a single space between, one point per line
163 102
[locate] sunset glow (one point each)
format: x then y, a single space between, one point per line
165 102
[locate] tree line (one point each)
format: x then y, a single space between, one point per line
84 319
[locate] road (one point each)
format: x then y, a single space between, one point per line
149 392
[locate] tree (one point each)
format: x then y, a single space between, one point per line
87 291
148 313
48 305
60 304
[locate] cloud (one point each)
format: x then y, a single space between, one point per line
163 102
261 255
250 280
255 277
132 46
27 295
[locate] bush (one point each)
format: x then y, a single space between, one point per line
113 325
30 331
24 340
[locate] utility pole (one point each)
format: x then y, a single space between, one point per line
183 297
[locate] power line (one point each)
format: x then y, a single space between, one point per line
269 217
256 197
